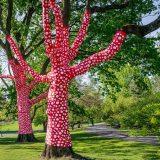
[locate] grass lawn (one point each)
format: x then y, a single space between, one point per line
90 146
139 132
13 126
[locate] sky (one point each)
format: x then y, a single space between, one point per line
151 17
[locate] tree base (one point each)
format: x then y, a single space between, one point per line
26 138
51 152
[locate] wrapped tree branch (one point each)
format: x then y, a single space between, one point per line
38 98
101 56
24 65
7 76
80 36
46 26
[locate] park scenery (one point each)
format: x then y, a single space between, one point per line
80 80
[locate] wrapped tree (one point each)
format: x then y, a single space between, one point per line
24 103
61 54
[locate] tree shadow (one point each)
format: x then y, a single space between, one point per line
114 146
9 132
85 144
12 141
152 156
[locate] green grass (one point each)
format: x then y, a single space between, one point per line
140 132
13 126
90 146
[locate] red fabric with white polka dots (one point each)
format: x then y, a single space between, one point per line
24 120
101 56
7 76
23 102
61 54
80 36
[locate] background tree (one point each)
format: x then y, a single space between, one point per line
76 111
136 105
3 104
19 76
91 100
24 103
40 116
139 52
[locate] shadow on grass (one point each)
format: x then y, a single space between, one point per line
12 140
7 141
16 132
115 147
9 132
152 156
87 144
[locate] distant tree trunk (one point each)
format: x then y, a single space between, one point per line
78 124
25 132
44 126
92 121
26 138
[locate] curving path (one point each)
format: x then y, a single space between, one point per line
101 129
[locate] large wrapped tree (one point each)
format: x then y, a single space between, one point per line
61 54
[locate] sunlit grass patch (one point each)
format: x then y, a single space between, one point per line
88 146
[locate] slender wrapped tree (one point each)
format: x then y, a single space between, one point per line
24 103
61 54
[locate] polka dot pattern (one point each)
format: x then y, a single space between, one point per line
58 128
7 76
46 27
23 102
101 56
24 120
24 65
80 36
38 98
58 22
61 54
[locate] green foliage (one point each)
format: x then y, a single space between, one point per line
41 116
145 117
131 112
85 103
113 111
76 111
7 104
77 114
137 104
133 81
11 107
38 89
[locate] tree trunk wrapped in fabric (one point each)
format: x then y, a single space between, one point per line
24 103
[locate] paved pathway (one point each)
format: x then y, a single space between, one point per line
100 129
